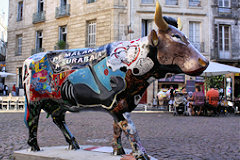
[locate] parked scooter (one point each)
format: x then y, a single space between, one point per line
180 104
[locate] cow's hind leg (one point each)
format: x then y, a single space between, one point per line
59 120
117 143
32 112
127 125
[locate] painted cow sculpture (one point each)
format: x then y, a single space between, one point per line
112 77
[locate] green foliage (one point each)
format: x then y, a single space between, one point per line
61 44
216 81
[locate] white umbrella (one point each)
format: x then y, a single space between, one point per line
5 74
216 69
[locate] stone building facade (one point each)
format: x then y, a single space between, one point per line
225 44
194 15
43 25
38 25
225 31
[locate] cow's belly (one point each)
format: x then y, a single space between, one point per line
91 86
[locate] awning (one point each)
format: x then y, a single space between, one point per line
215 69
5 74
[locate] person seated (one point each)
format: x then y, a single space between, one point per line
197 101
212 100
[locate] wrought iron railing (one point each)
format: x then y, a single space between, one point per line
195 3
37 50
172 2
39 17
62 11
61 48
224 10
18 53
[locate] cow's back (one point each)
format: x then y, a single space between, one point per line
37 77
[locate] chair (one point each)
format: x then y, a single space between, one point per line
5 102
1 103
21 103
13 103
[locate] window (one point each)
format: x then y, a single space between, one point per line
63 2
39 39
63 33
40 5
194 3
20 11
147 1
194 34
91 1
19 45
91 34
224 41
224 3
20 84
146 27
171 2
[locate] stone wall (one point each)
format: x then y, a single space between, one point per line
104 12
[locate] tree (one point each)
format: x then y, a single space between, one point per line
215 81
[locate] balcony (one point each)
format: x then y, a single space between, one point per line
224 10
61 46
37 50
62 11
18 53
39 17
172 2
194 3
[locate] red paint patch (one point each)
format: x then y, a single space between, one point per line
106 72
91 148
27 114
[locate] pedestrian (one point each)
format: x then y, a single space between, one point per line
1 89
170 95
197 103
212 98
5 90
14 90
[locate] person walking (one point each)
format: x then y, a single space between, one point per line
14 90
5 90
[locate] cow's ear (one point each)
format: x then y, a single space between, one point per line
153 38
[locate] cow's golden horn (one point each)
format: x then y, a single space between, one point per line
160 22
180 26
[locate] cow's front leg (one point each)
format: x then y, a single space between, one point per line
127 125
117 142
31 121
59 120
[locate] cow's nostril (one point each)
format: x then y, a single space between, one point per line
202 62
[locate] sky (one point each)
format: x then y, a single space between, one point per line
4 6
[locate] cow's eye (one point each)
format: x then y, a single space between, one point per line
177 38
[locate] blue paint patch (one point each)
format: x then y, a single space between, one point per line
25 114
104 73
84 76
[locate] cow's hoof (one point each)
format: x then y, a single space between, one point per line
119 151
33 144
35 148
143 157
74 145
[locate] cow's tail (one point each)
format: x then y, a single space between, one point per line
26 77
26 115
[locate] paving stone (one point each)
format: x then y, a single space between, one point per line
163 135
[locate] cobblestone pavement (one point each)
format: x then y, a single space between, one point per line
163 135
